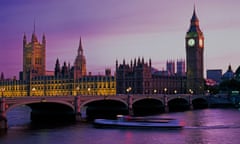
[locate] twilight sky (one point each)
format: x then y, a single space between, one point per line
118 29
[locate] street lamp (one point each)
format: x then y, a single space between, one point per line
128 89
208 92
89 89
154 91
77 88
165 97
165 91
175 91
129 101
33 91
191 91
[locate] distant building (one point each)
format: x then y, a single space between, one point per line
229 74
237 74
141 78
171 67
215 75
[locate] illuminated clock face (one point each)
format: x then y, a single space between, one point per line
191 42
200 42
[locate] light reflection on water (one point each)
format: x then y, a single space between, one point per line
207 126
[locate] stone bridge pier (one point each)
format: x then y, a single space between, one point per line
165 102
77 105
130 104
3 118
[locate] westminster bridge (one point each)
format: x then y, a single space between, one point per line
80 107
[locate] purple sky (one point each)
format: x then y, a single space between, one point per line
118 29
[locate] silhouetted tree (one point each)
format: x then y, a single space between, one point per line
230 85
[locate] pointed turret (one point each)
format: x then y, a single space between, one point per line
80 48
2 76
43 39
150 62
194 19
24 39
80 63
57 71
34 37
116 64
229 68
194 29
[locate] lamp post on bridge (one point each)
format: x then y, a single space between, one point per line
33 91
89 91
165 100
155 91
129 100
190 98
77 89
175 92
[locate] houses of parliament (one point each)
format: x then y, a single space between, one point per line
136 77
65 80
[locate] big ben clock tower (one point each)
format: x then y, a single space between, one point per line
194 42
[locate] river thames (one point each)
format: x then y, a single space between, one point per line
207 126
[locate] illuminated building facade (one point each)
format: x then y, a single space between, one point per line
60 86
67 80
34 57
136 76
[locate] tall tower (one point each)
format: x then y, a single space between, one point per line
194 42
34 57
171 67
181 69
80 63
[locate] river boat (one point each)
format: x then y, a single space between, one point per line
139 122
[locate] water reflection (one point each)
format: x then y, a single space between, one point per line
202 127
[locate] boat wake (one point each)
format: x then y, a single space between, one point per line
213 127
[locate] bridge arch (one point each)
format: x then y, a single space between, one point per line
178 104
144 98
104 108
200 103
148 106
12 106
84 103
47 111
178 97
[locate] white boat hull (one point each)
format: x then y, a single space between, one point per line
139 124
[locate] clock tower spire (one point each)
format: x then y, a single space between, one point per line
194 42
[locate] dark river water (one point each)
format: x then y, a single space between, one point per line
208 126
